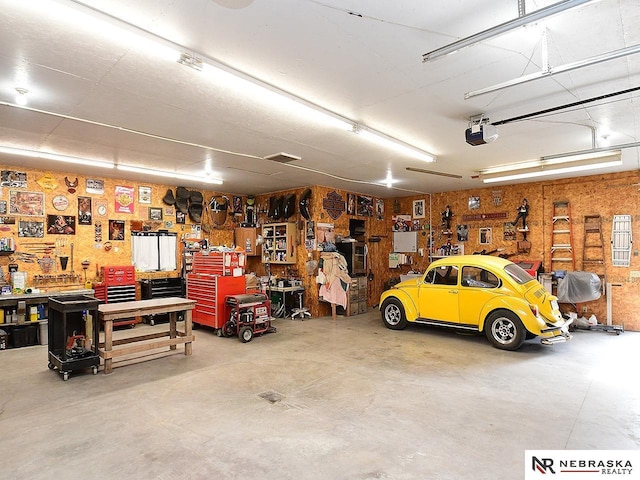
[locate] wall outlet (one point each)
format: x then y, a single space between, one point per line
584 309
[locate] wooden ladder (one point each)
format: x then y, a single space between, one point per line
593 244
562 235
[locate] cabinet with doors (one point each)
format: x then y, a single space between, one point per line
246 237
279 243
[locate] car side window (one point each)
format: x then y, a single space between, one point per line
446 275
479 278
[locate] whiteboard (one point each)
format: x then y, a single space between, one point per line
405 241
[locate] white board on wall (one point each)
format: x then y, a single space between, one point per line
405 241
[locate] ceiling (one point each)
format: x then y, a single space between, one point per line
104 84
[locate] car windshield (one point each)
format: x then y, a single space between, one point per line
519 274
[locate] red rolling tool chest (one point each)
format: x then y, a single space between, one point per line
210 292
118 285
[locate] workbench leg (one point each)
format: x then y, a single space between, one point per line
188 332
333 311
172 327
108 345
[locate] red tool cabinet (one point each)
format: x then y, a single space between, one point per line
219 263
118 285
210 292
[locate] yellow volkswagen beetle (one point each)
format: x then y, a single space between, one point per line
478 293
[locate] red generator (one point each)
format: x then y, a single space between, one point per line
118 285
210 292
248 314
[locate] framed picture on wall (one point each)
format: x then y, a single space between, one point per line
486 237
144 194
155 213
61 224
26 203
418 209
116 229
351 204
30 229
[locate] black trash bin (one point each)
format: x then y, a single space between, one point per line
73 334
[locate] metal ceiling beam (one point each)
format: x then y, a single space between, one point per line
587 62
504 28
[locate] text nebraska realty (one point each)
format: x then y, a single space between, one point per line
606 467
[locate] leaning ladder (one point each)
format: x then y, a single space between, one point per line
593 244
562 235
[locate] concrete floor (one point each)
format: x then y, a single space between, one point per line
345 399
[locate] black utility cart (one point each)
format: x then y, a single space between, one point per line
73 334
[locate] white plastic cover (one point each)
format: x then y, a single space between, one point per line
578 287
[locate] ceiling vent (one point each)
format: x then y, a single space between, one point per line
282 157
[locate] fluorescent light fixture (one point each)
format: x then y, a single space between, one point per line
503 28
55 157
554 166
175 175
393 143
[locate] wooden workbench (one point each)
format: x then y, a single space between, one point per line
109 312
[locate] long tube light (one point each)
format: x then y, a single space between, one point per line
167 174
503 28
550 167
55 157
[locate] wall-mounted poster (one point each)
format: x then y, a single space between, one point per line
123 199
379 209
3 207
486 237
351 204
26 203
474 203
61 224
155 213
180 216
418 209
30 229
326 237
12 178
311 229
144 195
95 186
462 232
509 231
237 205
84 211
116 229
401 223
365 206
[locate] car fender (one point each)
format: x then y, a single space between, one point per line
410 308
515 305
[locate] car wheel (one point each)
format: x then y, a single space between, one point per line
393 314
505 330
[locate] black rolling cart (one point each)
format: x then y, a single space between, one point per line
73 334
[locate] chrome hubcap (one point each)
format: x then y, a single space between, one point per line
504 330
392 314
